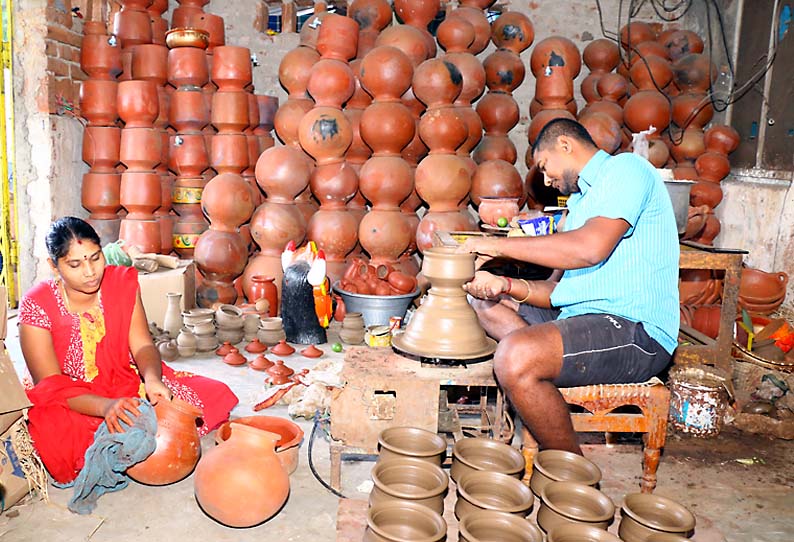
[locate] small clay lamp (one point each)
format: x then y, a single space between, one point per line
311 352
224 349
255 347
261 363
279 373
234 357
282 348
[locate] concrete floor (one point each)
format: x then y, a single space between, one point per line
732 501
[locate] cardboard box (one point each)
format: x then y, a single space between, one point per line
155 285
13 483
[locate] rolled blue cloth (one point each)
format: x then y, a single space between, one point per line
111 454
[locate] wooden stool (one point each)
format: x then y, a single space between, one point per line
653 400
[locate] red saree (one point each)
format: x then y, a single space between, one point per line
62 435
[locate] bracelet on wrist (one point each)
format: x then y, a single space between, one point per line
509 285
526 297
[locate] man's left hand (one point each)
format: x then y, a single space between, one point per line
485 285
156 391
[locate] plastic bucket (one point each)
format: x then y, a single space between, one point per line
698 401
679 196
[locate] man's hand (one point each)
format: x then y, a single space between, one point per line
485 285
124 409
482 246
156 391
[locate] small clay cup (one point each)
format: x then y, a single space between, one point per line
396 442
575 532
484 490
409 479
486 525
482 454
404 521
571 502
561 466
643 515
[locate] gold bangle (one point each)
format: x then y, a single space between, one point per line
526 297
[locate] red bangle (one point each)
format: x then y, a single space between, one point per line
509 285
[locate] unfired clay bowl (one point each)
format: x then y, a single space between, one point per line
403 521
561 466
643 515
411 442
409 479
484 490
571 502
489 525
482 454
575 532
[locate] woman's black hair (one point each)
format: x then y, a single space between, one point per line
63 231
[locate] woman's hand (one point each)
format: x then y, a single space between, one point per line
156 391
485 285
118 410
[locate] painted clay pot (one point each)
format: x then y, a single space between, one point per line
643 515
403 521
325 133
409 479
482 454
288 445
187 66
398 442
437 83
492 491
244 469
137 103
485 525
178 445
571 502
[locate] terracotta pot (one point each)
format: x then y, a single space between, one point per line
559 465
243 468
691 73
504 71
140 149
455 35
331 83
712 166
571 502
442 130
325 133
556 50
482 28
386 73
721 139
406 38
295 69
705 193
513 31
385 181
282 173
601 55
634 33
692 110
188 155
178 445
543 118
188 112
138 104
604 130
761 287
338 37
288 445
409 479
140 194
372 15
481 454
229 111
231 67
491 209
132 28
279 373
229 153
709 231
100 54
98 102
213 25
706 319
101 146
574 532
187 66
437 83
263 287
494 525
402 521
150 63
686 146
398 442
100 194
499 113
647 108
227 201
442 180
643 515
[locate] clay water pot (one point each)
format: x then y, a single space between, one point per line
290 436
705 193
485 525
398 442
712 166
406 38
283 173
178 445
100 55
647 108
137 103
140 194
644 514
409 479
338 37
437 82
101 194
242 469
504 72
758 286
556 51
559 465
491 209
187 66
681 42
692 110
477 19
573 532
150 63
132 28
604 130
571 502
482 454
492 491
101 145
188 155
691 73
213 25
231 67
721 139
140 149
687 146
98 102
268 105
404 521
513 31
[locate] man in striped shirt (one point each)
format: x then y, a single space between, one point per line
609 313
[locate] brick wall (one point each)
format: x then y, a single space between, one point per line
64 37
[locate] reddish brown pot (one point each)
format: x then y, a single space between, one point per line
140 148
384 234
132 28
220 256
141 195
604 130
288 118
504 71
229 153
188 111
712 166
283 173
432 222
407 39
231 67
478 20
228 202
514 31
333 184
473 76
455 34
100 56
187 66
705 193
338 37
386 181
556 50
499 113
680 43
138 103
150 63
188 155
163 107
213 24
691 73
636 32
709 232
491 209
101 148
687 146
331 83
652 73
178 445
612 87
263 287
387 127
230 111
443 130
601 55
474 127
692 110
442 180
371 14
543 118
98 102
325 133
386 73
159 29
496 178
143 234
437 83
268 105
722 139
100 194
180 17
295 69
647 108
554 89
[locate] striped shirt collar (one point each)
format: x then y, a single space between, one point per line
589 173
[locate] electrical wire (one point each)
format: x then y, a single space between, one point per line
316 474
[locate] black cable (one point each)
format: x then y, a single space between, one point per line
316 474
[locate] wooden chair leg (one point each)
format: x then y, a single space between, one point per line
529 448
654 439
650 462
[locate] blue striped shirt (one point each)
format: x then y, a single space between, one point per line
639 280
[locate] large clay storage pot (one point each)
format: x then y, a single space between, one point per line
290 434
178 445
241 482
644 515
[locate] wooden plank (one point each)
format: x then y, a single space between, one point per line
778 152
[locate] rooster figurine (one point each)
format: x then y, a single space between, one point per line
306 292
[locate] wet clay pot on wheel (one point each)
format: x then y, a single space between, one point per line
492 491
570 502
643 515
403 521
178 445
288 445
482 454
487 525
561 466
573 532
398 442
409 479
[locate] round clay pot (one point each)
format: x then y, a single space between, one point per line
574 532
644 514
559 465
98 102
636 32
396 442
647 108
556 51
140 149
513 31
386 73
486 525
290 436
137 103
282 173
178 445
409 479
406 38
437 82
691 73
705 193
761 287
482 28
604 130
263 287
721 139
712 166
571 502
482 454
492 209
295 69
404 521
242 469
492 491
325 133
231 67
504 71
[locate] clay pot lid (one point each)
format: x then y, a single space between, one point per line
282 349
224 349
234 357
255 347
658 513
279 373
312 352
261 363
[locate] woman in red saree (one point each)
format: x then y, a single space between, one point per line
86 343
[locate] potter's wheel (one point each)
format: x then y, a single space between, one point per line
435 358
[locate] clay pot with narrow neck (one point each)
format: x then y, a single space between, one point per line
647 108
288 118
325 134
504 71
407 39
331 83
227 201
98 102
634 33
513 31
694 73
263 287
721 139
604 130
295 69
178 445
437 83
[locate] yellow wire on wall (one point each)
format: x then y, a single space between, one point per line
9 222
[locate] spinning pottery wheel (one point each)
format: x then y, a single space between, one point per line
445 328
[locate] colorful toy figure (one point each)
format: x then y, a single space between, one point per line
321 286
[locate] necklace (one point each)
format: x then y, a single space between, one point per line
87 314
